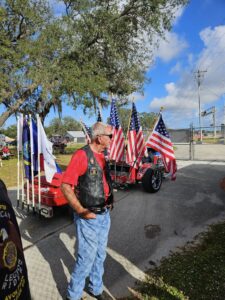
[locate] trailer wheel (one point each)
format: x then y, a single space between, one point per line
152 180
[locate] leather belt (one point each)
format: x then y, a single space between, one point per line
99 210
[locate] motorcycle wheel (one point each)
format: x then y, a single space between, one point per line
152 180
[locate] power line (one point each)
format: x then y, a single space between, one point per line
211 91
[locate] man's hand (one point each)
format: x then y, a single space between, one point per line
86 214
69 194
111 206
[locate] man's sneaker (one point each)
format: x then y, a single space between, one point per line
102 296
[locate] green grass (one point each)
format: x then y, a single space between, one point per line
63 160
8 172
197 272
208 140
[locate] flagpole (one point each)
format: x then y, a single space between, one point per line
39 163
27 180
126 141
129 119
18 161
134 110
22 181
156 119
21 161
32 161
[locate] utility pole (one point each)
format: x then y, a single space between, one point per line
199 76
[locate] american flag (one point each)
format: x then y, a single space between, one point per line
87 132
116 149
99 117
136 143
160 141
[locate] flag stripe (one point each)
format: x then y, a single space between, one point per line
161 146
136 143
158 148
164 140
116 149
160 141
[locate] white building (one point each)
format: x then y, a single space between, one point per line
75 136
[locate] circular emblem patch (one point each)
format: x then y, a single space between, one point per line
10 255
26 153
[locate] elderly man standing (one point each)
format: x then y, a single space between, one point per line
87 187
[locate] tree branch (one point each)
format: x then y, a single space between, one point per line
20 28
15 107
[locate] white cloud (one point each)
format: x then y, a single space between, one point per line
181 98
176 69
170 47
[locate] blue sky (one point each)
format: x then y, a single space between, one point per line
196 42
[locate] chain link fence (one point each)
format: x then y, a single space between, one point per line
195 143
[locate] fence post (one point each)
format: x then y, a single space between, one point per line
191 144
223 132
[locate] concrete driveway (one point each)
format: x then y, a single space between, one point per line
145 227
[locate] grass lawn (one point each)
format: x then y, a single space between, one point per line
8 172
63 160
197 272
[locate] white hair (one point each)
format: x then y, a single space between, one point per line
98 129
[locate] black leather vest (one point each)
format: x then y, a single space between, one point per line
90 190
13 271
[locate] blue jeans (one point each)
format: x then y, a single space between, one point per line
92 237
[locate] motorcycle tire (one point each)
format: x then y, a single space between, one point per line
152 180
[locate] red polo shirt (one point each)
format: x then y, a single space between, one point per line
78 167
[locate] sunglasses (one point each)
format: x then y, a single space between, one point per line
109 135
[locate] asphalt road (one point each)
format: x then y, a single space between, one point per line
145 227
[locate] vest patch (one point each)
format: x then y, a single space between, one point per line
93 171
10 255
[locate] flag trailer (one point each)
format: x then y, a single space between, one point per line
43 193
37 190
50 195
150 173
131 162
